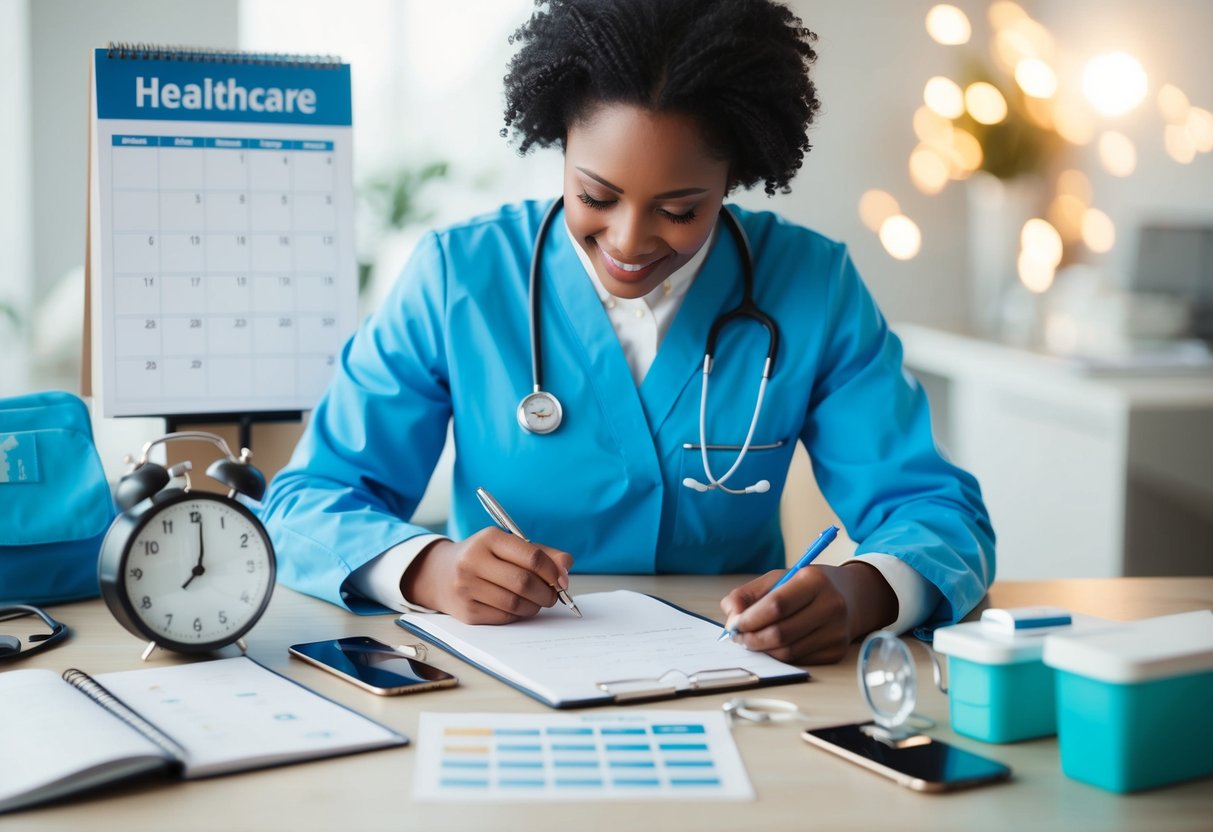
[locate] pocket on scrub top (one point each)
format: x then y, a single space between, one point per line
716 515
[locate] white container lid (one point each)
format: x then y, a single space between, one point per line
1153 648
990 641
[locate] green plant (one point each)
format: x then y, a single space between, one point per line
7 310
391 202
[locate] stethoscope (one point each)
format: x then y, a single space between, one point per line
540 411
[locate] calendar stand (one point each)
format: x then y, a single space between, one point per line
242 421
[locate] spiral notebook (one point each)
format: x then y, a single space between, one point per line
73 733
628 647
221 274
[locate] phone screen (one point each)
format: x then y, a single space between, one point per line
924 764
373 664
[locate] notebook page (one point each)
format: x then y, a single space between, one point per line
56 740
623 635
234 714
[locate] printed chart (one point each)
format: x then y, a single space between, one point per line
673 755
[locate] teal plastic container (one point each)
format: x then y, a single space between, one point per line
999 689
1132 703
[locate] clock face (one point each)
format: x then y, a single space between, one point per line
197 572
539 412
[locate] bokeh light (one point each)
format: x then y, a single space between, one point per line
900 237
985 103
1004 14
931 128
1076 183
948 25
1178 142
1037 275
928 169
1041 241
1036 78
1065 213
1117 153
944 96
968 153
1098 232
1072 120
876 206
1173 103
1199 125
1114 83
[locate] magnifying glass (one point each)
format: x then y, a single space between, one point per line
889 684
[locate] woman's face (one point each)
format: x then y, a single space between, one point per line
641 194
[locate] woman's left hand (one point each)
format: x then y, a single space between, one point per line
815 616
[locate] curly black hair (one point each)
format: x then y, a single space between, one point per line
739 67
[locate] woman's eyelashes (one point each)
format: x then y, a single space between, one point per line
603 204
597 204
687 216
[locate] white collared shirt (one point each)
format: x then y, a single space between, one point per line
641 325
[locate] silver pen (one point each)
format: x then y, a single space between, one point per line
506 522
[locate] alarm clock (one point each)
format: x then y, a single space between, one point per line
190 571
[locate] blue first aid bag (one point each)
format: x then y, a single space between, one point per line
55 503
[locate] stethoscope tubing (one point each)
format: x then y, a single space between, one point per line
746 309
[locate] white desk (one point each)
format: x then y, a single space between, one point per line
798 787
1085 474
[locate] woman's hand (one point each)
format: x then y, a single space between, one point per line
492 577
815 616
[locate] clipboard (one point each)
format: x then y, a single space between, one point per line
504 652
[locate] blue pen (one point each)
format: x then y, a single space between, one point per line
819 545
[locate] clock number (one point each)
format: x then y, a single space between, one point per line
222 525
195 517
222 617
244 541
168 620
137 574
150 547
167 525
197 625
252 566
146 603
244 596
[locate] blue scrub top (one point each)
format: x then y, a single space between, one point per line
451 344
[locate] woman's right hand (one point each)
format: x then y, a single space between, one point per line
493 577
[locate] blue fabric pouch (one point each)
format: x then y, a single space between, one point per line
55 503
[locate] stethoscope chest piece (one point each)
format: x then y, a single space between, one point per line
540 412
889 685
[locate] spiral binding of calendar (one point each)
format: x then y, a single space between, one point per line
97 692
123 51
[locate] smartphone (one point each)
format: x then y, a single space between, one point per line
922 763
373 665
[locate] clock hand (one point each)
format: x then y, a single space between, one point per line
198 567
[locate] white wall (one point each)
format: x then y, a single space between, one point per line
427 86
15 226
62 35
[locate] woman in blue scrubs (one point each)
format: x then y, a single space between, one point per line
662 108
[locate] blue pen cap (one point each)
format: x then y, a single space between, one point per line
999 690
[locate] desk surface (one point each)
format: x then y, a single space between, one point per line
798 786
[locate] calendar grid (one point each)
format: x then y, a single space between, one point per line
226 272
